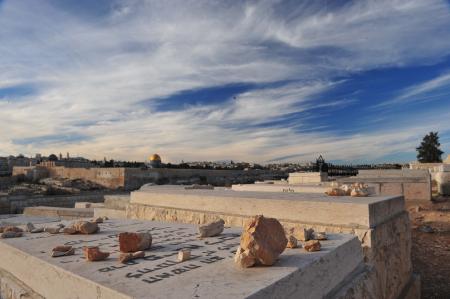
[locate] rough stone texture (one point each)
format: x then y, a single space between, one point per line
292 242
94 254
183 255
264 238
302 233
13 288
132 242
86 227
312 245
62 213
211 229
307 177
110 213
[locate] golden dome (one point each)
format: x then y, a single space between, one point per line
155 157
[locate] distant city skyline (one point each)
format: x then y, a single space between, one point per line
254 81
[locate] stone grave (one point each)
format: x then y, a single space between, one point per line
333 272
412 184
279 187
381 223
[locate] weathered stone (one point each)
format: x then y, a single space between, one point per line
320 236
98 220
86 227
11 234
14 229
303 234
60 225
183 255
264 238
243 258
125 257
292 242
30 227
37 230
335 192
211 229
53 230
312 245
63 250
132 242
359 192
93 253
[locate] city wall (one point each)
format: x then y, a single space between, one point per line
133 178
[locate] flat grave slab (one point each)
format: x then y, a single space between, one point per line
211 273
361 212
286 188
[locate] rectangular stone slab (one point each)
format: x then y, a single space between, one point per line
211 273
357 212
286 188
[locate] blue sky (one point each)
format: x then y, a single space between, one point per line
262 81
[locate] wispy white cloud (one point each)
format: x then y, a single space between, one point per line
97 71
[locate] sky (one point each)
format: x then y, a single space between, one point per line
257 81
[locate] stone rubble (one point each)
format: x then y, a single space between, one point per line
93 254
312 245
126 257
63 250
292 242
211 229
183 255
262 241
303 234
355 190
132 242
82 227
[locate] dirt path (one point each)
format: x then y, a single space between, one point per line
431 246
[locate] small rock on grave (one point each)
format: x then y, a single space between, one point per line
183 255
132 242
93 253
312 245
211 229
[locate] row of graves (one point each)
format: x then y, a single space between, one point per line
206 242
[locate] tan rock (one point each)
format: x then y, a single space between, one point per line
320 236
125 257
183 255
37 230
335 192
93 253
63 250
263 239
312 245
303 234
243 258
211 229
105 218
292 242
10 234
14 229
132 242
86 227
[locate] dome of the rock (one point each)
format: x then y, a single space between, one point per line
154 157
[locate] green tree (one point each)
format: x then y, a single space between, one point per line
429 151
